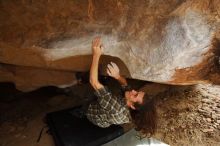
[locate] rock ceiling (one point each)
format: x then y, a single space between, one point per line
173 42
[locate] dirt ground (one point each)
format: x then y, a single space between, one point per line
190 117
187 115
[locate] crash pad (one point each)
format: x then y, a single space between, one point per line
68 129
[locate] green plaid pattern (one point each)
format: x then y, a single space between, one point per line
108 109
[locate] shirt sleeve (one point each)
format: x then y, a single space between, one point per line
107 101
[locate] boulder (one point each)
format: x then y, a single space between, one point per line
29 78
175 42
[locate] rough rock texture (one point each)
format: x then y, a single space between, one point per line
172 42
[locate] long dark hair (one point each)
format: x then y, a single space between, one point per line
144 117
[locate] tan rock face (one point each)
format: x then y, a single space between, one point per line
175 42
29 78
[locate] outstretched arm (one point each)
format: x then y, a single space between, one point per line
97 52
113 71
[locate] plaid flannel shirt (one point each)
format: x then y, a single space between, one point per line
108 109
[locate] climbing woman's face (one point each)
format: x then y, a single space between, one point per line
134 96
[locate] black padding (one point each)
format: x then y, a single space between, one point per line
69 130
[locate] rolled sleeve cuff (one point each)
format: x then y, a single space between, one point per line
102 91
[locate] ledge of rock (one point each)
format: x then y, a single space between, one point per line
172 43
29 78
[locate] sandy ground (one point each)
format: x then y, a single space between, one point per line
187 115
190 117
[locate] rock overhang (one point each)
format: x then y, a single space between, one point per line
169 43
